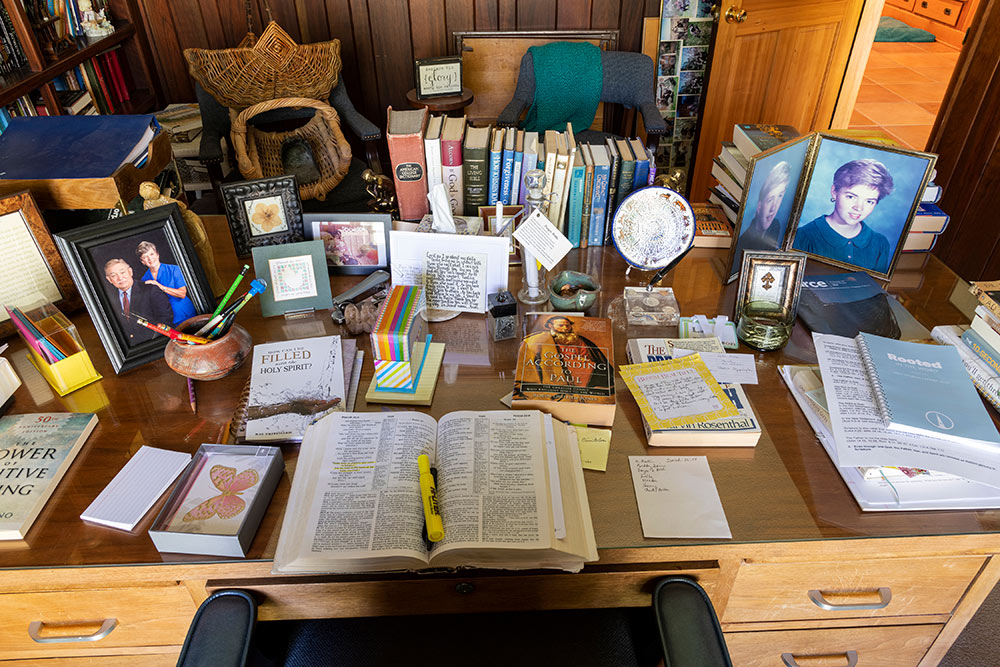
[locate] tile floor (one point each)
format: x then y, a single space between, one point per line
902 89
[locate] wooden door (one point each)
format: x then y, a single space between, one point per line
783 64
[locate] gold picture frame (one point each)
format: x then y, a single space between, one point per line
766 270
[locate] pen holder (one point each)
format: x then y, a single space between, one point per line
65 375
209 361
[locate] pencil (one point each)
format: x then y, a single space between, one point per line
232 288
191 398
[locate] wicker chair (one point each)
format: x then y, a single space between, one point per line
348 196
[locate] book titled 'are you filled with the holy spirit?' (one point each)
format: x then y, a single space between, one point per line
565 366
510 490
292 382
36 450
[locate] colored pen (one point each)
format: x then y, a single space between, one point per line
232 288
256 287
428 492
229 314
173 334
191 398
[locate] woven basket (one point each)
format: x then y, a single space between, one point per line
258 153
274 67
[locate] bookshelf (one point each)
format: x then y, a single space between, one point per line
38 74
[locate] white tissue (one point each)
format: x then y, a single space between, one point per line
442 220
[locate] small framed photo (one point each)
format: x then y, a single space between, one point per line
263 212
296 277
438 77
31 270
512 216
772 281
355 244
768 201
857 202
219 501
140 266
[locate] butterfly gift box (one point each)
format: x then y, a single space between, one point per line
219 502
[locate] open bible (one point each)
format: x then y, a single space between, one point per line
510 488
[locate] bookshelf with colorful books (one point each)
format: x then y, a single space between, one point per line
108 74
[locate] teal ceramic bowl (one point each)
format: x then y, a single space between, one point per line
582 296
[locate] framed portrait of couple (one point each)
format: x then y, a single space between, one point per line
841 201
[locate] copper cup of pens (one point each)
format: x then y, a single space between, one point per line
212 360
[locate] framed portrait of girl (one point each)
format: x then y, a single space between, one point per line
858 202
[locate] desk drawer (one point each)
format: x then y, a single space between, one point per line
849 589
137 617
945 11
899 646
319 597
904 4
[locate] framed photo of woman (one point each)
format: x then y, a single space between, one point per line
858 201
768 200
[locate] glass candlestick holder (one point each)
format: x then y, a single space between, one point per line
533 290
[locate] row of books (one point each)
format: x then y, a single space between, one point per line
730 169
979 344
480 166
12 56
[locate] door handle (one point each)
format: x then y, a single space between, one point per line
734 15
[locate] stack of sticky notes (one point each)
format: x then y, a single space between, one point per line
399 327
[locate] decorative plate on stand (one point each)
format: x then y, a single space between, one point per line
653 227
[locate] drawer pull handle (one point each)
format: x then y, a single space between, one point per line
924 4
852 659
884 595
947 11
35 628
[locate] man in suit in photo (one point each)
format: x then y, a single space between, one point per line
136 298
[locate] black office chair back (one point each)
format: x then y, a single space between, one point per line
689 628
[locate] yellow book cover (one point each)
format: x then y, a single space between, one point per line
678 392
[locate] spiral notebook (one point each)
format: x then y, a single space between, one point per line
925 390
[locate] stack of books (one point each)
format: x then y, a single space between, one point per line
731 166
480 166
182 122
978 344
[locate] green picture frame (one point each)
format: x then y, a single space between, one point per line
296 276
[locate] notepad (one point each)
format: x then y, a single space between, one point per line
136 488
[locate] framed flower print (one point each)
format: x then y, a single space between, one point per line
263 212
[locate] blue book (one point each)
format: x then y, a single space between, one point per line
515 174
640 178
45 147
529 162
929 218
925 390
599 200
574 217
496 151
507 166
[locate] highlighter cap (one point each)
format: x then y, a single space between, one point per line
424 464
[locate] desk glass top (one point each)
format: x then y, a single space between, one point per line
784 489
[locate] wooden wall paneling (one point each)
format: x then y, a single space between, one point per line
137 51
214 31
507 14
365 99
390 29
233 17
487 15
536 14
170 63
427 28
283 12
604 14
630 25
259 16
338 19
460 17
190 26
966 143
573 15
313 26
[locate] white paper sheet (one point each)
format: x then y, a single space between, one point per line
136 487
543 240
677 497
455 280
407 251
729 368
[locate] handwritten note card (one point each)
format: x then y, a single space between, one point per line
455 280
677 497
594 445
731 368
543 240
678 393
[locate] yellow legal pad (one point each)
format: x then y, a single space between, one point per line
424 394
678 392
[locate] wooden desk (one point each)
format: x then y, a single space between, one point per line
795 526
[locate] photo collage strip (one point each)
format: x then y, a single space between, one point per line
681 77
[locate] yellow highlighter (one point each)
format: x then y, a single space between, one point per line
432 513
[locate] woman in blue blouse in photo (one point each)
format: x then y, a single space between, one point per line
843 235
168 278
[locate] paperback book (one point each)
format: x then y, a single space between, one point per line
565 367
292 382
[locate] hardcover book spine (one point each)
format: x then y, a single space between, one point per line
588 202
613 200
432 157
986 381
506 176
641 174
515 179
625 179
599 204
496 160
409 172
451 172
530 162
476 179
575 212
